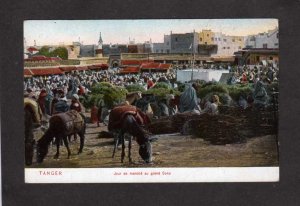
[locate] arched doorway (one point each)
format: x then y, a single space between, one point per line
115 63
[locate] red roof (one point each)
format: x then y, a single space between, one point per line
127 70
68 68
31 49
164 66
98 66
154 65
81 68
27 72
45 71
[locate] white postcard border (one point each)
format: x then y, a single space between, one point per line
151 175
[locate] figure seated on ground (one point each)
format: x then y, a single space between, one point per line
211 106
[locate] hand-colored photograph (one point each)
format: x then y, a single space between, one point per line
143 98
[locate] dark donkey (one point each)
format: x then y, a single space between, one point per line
61 126
129 119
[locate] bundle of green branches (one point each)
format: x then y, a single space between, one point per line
135 88
207 88
90 100
161 90
110 94
235 91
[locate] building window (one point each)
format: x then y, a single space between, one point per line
200 39
240 47
240 39
156 50
162 51
276 44
207 35
257 58
277 35
216 39
168 51
271 58
168 43
224 47
176 39
265 46
224 39
212 38
233 40
228 47
205 42
219 39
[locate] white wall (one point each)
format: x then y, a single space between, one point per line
228 47
201 74
270 38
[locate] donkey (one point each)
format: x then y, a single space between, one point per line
61 126
128 119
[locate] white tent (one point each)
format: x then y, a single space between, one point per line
200 74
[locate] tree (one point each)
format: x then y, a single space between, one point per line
61 52
44 51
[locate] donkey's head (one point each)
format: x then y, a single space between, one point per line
41 149
145 151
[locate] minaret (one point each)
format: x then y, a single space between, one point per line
34 43
100 42
99 50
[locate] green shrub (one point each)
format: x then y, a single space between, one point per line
235 91
211 88
161 92
135 88
111 95
162 85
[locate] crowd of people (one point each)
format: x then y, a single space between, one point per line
64 90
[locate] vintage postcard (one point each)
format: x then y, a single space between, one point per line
142 101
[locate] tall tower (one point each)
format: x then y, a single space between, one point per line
100 42
99 50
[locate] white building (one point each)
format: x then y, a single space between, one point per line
264 40
227 45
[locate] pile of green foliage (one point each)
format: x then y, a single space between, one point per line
135 88
205 89
162 85
110 94
161 90
235 91
223 90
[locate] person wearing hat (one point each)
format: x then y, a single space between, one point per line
75 104
42 100
61 105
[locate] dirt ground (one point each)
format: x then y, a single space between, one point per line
172 150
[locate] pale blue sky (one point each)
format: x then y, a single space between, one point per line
118 31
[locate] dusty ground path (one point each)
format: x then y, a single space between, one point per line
172 150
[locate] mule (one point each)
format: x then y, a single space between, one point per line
61 126
123 121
